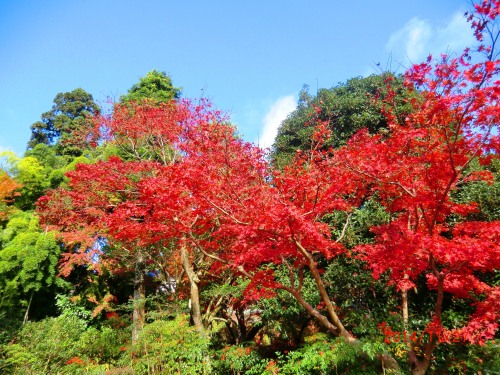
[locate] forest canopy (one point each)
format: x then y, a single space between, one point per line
153 239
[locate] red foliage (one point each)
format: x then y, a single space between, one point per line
200 179
191 181
414 170
76 360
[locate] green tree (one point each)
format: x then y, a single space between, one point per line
54 165
155 86
347 107
39 170
47 156
28 268
31 174
66 125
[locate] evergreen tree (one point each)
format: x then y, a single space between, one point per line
155 86
347 107
66 125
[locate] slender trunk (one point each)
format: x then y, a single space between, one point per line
324 295
388 362
242 328
195 294
138 315
312 311
26 314
233 328
332 323
404 297
299 336
421 367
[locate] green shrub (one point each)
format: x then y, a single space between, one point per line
323 355
103 345
44 347
171 347
63 345
240 359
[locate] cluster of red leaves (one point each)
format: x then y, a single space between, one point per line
485 11
192 181
77 361
203 187
413 171
262 285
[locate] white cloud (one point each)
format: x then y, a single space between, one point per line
418 38
278 111
5 150
412 38
457 34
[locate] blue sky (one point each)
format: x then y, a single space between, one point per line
251 58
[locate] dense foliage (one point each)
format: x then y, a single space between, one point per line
155 86
347 108
65 125
164 243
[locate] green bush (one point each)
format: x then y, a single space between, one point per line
240 359
103 345
171 347
323 355
63 345
44 347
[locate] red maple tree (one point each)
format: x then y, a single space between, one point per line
415 168
153 199
186 180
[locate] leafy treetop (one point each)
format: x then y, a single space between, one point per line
66 125
347 107
155 86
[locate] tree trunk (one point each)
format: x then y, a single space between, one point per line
324 295
26 314
312 311
420 369
388 362
332 323
138 315
195 294
404 296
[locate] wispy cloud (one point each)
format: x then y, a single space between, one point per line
4 150
278 111
418 38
